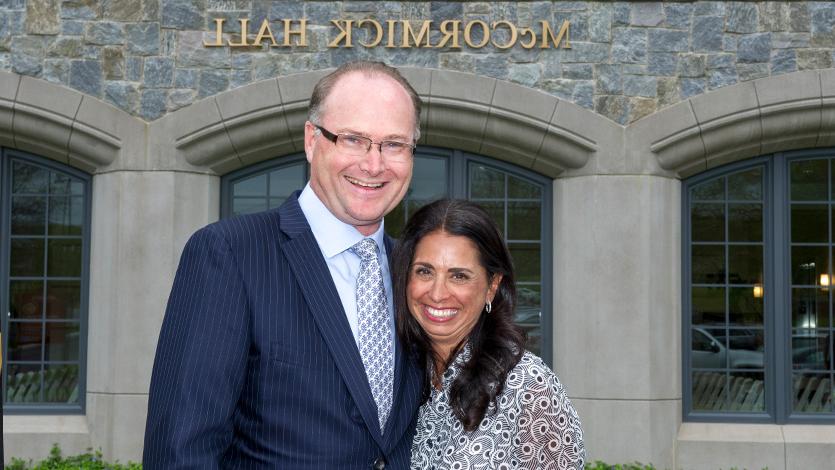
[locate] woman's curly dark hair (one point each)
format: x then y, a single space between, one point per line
496 343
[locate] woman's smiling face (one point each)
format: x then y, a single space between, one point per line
447 289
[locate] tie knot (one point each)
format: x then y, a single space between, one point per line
366 249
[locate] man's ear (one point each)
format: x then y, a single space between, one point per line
309 140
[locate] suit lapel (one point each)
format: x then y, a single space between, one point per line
312 274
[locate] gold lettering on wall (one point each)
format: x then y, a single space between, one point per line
476 34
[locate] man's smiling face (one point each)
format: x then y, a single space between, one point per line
360 190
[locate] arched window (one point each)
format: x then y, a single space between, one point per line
45 245
758 318
519 201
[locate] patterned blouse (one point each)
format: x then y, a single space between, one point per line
535 426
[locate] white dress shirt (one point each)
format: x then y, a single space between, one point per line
335 238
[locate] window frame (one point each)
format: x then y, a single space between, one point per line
778 380
41 408
458 162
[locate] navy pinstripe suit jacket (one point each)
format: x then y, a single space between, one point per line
256 366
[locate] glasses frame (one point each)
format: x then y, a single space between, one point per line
335 137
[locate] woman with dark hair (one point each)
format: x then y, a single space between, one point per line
487 403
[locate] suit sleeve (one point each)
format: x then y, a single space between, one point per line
200 361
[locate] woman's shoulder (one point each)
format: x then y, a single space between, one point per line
531 373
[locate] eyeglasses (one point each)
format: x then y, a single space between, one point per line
358 145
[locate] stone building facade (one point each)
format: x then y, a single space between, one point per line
648 96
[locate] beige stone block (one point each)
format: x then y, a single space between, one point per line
672 136
104 136
791 110
458 108
127 319
625 431
708 446
809 446
117 424
43 118
32 436
8 90
421 80
254 118
826 138
42 17
193 137
586 143
617 286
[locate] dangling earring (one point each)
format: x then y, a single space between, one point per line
488 306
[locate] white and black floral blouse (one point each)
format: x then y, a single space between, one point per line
535 426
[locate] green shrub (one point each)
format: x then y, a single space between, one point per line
598 465
55 461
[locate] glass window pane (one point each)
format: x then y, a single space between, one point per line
810 307
429 180
496 211
26 257
62 341
522 189
60 184
63 300
523 220
529 315
708 390
708 304
810 349
61 383
745 222
744 308
810 223
713 190
253 186
25 341
812 393
526 259
248 205
708 222
64 258
23 383
66 215
26 300
808 263
746 391
745 264
746 185
708 264
28 215
708 348
808 180
485 182
284 181
29 178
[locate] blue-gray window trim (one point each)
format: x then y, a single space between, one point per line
457 175
776 285
8 155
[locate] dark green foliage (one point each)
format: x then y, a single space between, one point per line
55 461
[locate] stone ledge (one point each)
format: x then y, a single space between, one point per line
732 124
463 111
64 125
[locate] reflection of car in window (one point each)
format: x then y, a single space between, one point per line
810 350
711 353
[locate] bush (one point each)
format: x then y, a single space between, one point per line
55 461
598 465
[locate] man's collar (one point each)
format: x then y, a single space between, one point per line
332 235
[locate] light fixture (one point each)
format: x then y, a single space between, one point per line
824 280
758 291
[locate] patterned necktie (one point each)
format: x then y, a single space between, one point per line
375 342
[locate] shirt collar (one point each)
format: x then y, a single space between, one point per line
333 235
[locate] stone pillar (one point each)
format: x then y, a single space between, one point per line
617 311
141 221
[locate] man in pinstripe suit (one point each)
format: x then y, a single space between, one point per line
258 364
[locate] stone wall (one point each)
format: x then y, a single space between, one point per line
627 60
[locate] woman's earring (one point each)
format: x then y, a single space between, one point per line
488 306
